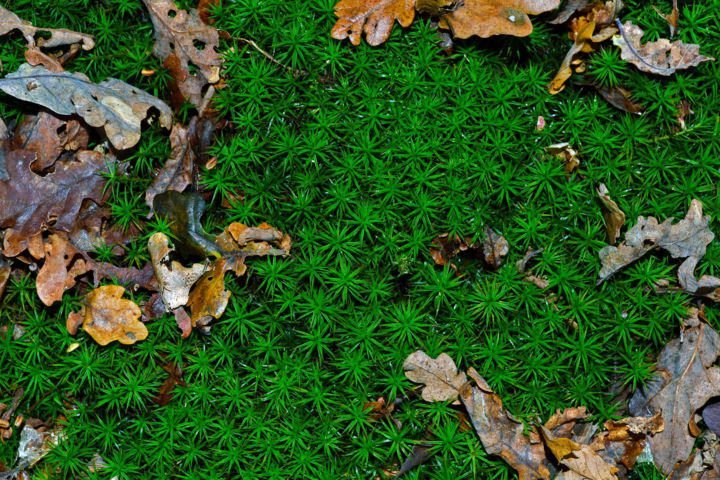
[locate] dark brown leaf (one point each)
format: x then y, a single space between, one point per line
49 136
711 416
177 173
620 98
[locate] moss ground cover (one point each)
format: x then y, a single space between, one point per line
363 161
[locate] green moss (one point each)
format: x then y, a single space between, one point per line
363 162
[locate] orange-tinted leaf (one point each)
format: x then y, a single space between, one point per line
239 241
59 270
208 298
374 17
580 459
108 317
614 217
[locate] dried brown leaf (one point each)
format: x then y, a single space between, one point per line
374 17
208 298
494 248
614 217
445 247
239 241
177 173
686 380
175 279
660 57
686 239
30 202
581 459
567 155
49 136
114 105
108 317
58 272
182 37
620 98
571 6
58 36
439 375
671 18
625 439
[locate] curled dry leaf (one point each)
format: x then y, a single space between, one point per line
208 298
671 18
445 247
614 217
661 57
439 375
686 380
174 279
49 136
239 241
58 36
580 459
567 155
29 202
620 98
184 212
108 317
177 173
182 39
494 248
374 17
686 239
114 105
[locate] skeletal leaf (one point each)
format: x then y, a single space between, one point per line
374 17
114 105
108 317
440 376
686 380
686 239
29 202
175 280
661 57
58 36
614 217
182 39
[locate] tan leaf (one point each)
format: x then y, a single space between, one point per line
182 37
439 375
660 57
374 17
494 248
239 241
686 239
177 172
614 217
485 18
175 280
581 459
114 105
500 433
58 36
562 422
620 98
687 380
108 317
567 155
208 298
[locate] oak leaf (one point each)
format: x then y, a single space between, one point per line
614 217
9 21
108 317
177 173
374 17
661 57
686 380
114 105
58 272
175 280
626 438
580 459
182 39
439 375
49 136
30 202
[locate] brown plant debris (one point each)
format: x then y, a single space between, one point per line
108 317
614 217
661 57
177 173
175 280
686 379
374 17
439 375
494 248
114 105
671 18
58 36
208 298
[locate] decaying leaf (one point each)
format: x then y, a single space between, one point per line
208 298
374 17
177 173
439 375
4 147
108 317
683 110
58 36
421 452
686 380
567 155
4 276
614 217
49 136
580 459
494 248
238 241
114 105
625 439
59 270
485 18
34 445
183 40
175 280
620 98
184 211
686 239
711 416
175 374
661 57
570 7
671 18
445 247
502 434
30 202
